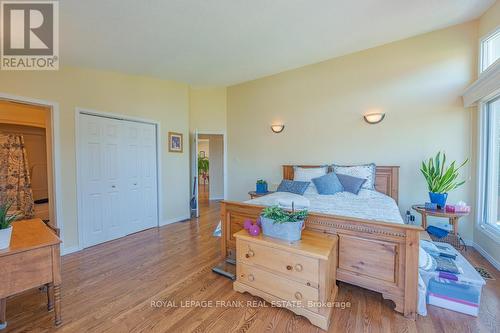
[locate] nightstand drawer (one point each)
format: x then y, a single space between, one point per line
289 264
276 285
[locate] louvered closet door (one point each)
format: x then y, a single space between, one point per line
117 165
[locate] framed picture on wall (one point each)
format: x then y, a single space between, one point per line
175 144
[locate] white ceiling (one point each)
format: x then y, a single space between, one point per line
223 42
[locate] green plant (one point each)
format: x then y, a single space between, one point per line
261 181
279 215
203 165
441 179
5 219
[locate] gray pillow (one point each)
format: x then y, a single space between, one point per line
328 184
293 186
350 183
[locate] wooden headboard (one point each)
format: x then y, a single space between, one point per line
386 178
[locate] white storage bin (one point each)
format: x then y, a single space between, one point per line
457 292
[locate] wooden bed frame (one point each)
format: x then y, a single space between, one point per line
379 256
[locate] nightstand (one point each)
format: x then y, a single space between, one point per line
254 194
299 276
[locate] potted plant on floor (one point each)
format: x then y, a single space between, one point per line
441 179
279 223
5 225
261 186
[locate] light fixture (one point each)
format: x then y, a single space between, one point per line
374 117
277 128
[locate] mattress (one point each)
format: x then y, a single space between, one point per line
367 204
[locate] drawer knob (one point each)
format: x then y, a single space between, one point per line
298 295
298 268
251 277
249 254
289 267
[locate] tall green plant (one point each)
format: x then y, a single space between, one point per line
203 165
441 179
5 219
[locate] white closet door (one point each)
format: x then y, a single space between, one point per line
148 181
118 175
99 140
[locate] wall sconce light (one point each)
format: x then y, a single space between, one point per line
374 117
278 128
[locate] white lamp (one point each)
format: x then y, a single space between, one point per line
374 117
277 128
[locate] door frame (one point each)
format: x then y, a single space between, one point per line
224 136
56 157
78 112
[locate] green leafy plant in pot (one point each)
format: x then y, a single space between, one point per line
5 224
441 179
283 224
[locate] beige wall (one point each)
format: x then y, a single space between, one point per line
207 109
490 19
159 100
417 82
216 159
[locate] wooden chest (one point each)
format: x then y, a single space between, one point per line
299 276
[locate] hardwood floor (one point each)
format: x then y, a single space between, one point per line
111 287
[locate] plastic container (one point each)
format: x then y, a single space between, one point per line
457 292
289 231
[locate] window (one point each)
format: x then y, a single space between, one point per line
490 50
490 166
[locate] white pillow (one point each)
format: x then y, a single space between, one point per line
307 174
365 171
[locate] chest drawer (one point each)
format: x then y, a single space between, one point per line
276 285
290 264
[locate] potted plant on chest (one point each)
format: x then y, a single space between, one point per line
5 225
441 179
261 186
279 223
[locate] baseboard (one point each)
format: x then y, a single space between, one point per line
174 220
487 256
69 249
216 198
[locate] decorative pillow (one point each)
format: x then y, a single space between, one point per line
366 171
293 186
307 174
328 184
350 183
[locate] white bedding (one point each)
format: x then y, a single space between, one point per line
368 204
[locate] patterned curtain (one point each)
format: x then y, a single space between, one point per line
15 182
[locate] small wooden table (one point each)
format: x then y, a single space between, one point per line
254 194
452 217
32 260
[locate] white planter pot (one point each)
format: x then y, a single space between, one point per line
5 237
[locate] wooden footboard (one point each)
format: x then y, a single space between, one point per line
378 256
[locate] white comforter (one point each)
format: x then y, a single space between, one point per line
369 205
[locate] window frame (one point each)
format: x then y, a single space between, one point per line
482 43
484 194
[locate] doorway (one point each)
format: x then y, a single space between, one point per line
209 183
26 137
